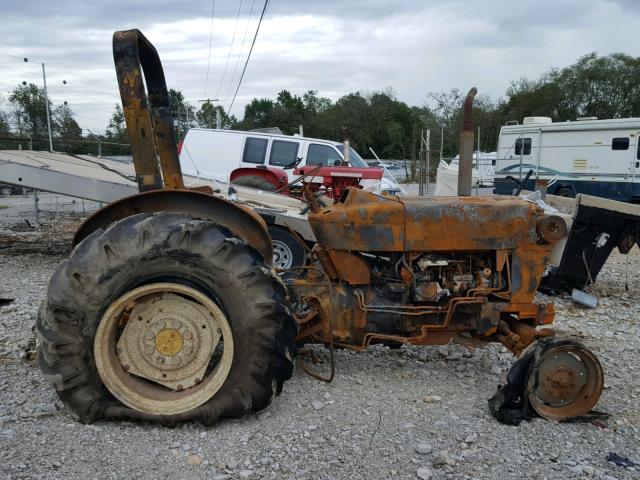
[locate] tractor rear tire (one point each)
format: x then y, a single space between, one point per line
255 182
148 251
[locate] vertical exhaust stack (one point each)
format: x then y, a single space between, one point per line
145 103
466 147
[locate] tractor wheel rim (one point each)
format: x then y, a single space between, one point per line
282 255
163 348
566 382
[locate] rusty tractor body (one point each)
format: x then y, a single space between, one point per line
168 308
420 271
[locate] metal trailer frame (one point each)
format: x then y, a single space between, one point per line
104 180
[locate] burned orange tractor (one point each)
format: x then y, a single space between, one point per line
168 308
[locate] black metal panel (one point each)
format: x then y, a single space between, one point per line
582 257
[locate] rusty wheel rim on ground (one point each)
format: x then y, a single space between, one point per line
566 382
163 348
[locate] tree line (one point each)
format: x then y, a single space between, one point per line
600 86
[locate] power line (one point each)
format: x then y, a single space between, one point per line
206 81
54 66
235 68
233 38
244 69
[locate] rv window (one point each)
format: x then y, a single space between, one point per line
527 146
621 143
255 150
283 153
322 155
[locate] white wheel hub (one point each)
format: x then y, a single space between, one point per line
163 348
169 340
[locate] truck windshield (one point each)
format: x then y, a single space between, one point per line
354 158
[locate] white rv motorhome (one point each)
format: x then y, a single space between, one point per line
595 157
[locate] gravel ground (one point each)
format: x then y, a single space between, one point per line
408 413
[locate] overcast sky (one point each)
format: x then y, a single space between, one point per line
335 47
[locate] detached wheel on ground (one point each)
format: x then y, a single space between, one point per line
566 381
288 252
149 320
254 181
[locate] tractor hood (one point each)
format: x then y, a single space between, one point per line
366 222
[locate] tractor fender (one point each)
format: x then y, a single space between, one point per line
241 220
275 176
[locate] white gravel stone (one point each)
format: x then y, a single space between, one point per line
424 473
423 448
287 447
194 460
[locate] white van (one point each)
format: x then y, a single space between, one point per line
213 154
590 156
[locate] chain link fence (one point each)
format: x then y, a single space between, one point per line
23 209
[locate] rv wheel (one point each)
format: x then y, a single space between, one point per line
565 192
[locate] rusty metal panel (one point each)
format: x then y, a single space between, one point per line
242 221
350 268
363 222
467 223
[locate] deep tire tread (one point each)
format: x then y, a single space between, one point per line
83 286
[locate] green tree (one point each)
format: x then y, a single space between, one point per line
117 129
258 114
600 86
206 116
64 125
5 129
29 103
183 112
287 112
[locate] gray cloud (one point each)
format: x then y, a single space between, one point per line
414 46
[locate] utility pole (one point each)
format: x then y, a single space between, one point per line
218 115
421 165
46 103
426 192
98 140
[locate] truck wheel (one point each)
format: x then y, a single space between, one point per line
149 320
565 192
255 182
288 252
